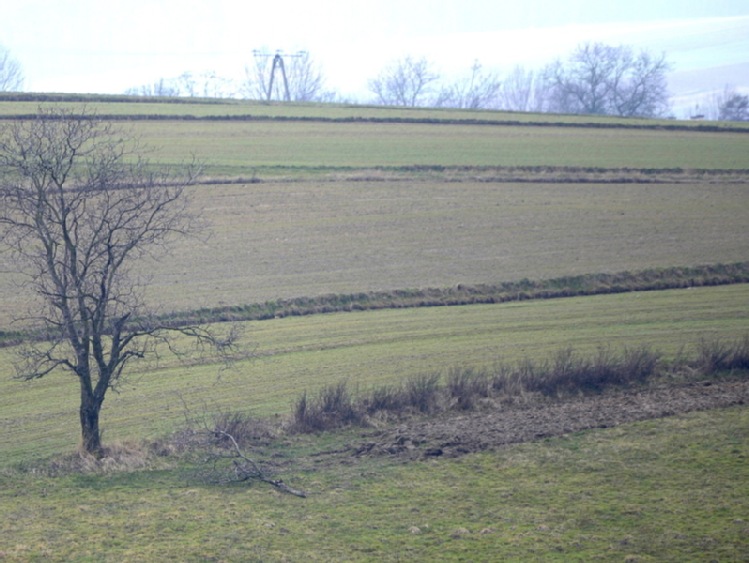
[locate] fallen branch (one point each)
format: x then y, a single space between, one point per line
246 468
243 474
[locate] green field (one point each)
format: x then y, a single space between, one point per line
239 148
209 108
311 201
669 490
366 349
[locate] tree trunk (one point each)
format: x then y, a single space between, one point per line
90 435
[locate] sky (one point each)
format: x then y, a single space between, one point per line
96 46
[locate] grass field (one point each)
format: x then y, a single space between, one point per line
280 240
210 108
332 205
366 349
669 490
240 148
373 206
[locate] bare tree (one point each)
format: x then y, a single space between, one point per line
11 75
406 82
606 80
207 84
80 206
271 75
162 87
479 90
734 107
306 80
709 107
523 90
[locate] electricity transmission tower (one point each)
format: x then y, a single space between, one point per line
278 64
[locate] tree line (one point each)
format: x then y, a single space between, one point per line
594 79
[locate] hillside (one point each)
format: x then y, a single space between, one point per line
465 335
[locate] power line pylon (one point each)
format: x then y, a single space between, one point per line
278 63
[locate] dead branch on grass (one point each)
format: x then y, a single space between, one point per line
246 468
214 439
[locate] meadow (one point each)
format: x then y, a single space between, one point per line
313 201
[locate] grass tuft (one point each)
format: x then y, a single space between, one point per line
332 408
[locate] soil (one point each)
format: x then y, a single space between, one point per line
458 434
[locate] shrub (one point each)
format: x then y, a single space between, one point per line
464 386
332 408
244 429
387 398
422 391
504 380
638 365
714 355
564 373
740 354
568 373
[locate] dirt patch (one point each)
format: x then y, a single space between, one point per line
456 435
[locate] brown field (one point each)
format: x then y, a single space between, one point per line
332 206
280 240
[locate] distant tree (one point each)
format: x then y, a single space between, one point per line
734 107
524 90
405 82
161 87
479 90
11 74
606 80
306 80
79 207
270 75
206 84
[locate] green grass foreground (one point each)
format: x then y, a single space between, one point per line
666 490
367 349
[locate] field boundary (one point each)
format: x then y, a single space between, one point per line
482 294
685 127
462 294
495 174
539 119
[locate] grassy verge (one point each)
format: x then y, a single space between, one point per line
666 490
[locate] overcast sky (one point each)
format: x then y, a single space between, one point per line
107 46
